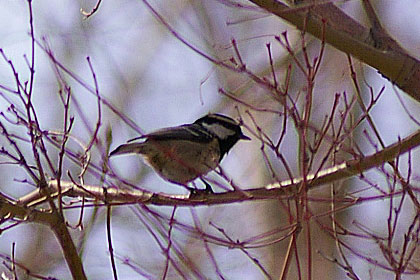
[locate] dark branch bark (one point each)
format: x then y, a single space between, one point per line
342 32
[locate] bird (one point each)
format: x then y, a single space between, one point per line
181 154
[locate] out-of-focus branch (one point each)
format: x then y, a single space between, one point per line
347 35
272 191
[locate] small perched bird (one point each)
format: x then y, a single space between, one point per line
184 153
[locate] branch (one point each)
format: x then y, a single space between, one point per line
11 210
278 190
347 35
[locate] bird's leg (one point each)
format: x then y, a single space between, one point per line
197 192
191 190
208 187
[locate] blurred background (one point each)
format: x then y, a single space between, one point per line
157 81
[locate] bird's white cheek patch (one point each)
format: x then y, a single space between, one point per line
221 131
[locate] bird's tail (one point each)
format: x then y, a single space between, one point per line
130 148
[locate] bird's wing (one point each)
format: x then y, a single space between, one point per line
190 132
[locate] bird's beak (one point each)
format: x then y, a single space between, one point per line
244 137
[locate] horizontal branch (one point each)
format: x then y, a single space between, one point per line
278 190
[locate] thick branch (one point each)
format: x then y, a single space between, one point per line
67 246
347 35
9 209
